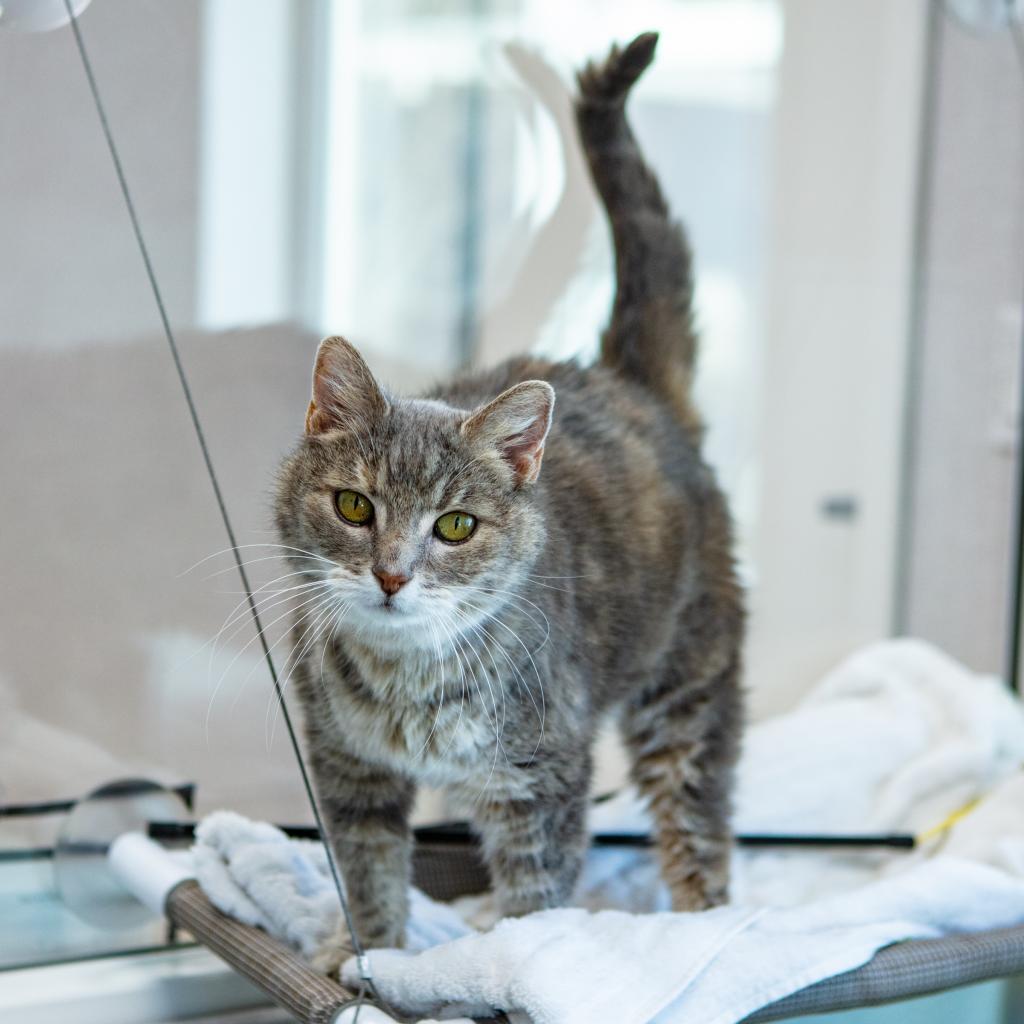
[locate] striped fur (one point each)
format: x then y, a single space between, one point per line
600 578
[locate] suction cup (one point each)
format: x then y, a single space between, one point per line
85 880
37 15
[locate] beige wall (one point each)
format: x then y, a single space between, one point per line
107 506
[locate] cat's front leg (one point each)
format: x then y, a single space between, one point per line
535 847
366 814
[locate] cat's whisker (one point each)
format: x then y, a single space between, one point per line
537 580
270 558
343 610
504 712
520 681
473 648
462 705
517 638
242 547
440 704
537 576
323 653
315 618
518 597
242 621
466 675
280 640
266 603
241 609
239 616
499 747
325 630
484 636
314 602
267 592
547 586
231 664
313 632
523 684
490 690
493 716
358 440
233 618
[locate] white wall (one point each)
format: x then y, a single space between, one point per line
839 292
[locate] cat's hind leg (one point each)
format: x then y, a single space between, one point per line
682 732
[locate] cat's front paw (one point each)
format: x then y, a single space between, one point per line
333 952
339 948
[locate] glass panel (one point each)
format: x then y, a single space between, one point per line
395 172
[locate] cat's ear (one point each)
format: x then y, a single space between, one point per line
345 395
516 423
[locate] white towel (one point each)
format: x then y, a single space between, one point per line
574 967
789 949
564 966
255 873
894 739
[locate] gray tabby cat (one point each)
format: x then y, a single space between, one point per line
470 618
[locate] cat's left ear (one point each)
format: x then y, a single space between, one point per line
516 423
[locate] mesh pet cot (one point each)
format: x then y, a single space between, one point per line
897 972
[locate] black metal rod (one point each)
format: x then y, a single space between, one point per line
457 833
186 791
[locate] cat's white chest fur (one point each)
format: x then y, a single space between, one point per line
397 716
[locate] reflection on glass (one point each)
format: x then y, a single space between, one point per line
393 171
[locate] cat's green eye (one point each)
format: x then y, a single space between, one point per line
354 508
455 527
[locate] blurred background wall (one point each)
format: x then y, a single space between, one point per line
850 175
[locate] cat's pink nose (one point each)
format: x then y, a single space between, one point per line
390 582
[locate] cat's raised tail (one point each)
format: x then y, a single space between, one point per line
650 336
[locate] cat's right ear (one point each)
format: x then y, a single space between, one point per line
345 394
516 423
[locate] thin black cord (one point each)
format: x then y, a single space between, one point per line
357 946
